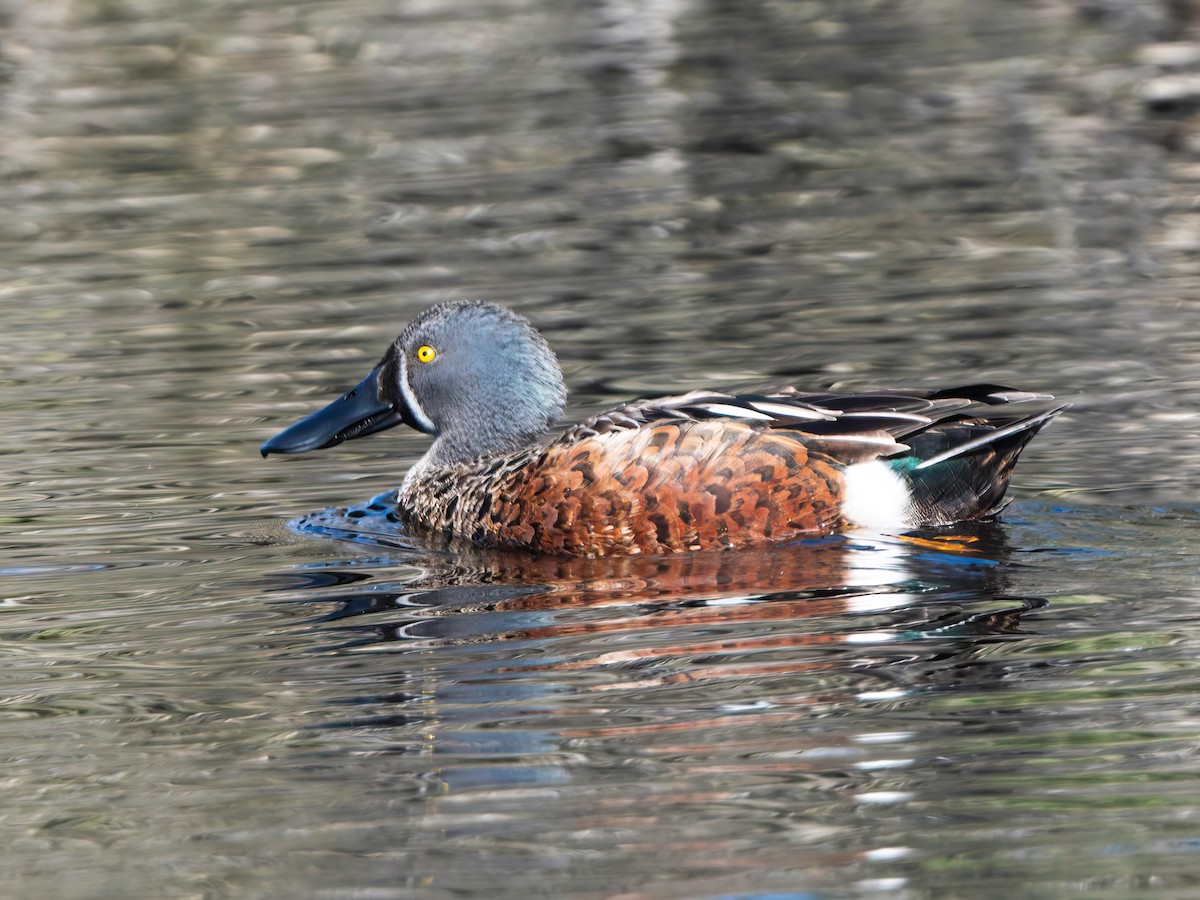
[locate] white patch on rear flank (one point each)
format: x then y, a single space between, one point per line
876 496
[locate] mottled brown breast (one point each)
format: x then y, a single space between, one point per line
677 485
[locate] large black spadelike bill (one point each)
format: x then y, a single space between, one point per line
355 414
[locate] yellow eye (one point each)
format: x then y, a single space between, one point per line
425 353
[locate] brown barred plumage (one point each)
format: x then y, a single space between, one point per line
675 485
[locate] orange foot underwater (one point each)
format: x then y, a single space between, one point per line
699 471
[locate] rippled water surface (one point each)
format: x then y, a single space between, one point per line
216 216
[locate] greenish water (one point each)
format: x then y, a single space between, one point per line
218 215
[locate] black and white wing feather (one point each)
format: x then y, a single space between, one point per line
849 427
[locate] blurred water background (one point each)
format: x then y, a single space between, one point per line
216 216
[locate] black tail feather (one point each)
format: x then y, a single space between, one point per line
960 469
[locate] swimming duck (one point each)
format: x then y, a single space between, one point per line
699 471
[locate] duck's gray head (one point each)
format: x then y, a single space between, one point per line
475 375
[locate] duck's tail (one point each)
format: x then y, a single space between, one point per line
959 469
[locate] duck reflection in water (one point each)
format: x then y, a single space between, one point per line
808 606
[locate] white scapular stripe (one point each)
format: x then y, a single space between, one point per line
728 409
888 414
786 411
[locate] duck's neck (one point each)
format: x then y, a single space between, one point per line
468 448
